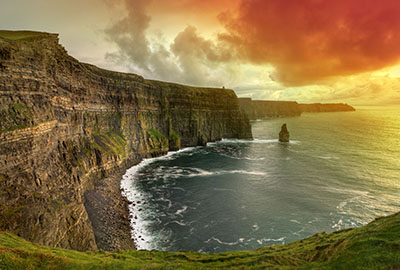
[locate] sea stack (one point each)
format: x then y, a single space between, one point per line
284 134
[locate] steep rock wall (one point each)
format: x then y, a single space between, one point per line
68 131
326 107
261 109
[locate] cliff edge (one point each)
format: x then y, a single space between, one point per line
262 109
69 130
373 246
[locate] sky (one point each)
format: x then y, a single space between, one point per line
303 50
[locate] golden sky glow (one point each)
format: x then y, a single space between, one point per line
308 50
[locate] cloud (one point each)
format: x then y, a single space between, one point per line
311 40
129 33
309 50
190 58
198 57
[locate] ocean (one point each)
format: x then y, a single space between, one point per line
340 170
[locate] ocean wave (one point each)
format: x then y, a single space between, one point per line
298 233
200 172
180 211
188 172
166 200
345 191
337 225
241 158
295 221
266 141
255 227
240 240
180 223
328 157
266 240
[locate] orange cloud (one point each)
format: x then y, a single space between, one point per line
311 40
196 6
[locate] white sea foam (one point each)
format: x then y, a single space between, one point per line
181 223
240 240
328 157
200 172
141 236
337 225
298 232
180 211
266 240
255 141
166 200
295 221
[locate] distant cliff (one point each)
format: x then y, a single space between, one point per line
69 130
261 109
326 107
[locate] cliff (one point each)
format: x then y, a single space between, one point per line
261 109
69 130
374 246
326 107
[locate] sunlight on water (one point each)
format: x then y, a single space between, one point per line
340 170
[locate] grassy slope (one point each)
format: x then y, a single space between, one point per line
374 246
18 35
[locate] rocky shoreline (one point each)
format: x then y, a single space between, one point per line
109 213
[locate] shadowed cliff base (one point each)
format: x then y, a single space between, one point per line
263 109
69 130
374 246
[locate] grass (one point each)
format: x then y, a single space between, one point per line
111 142
374 246
156 134
20 35
16 116
157 139
174 136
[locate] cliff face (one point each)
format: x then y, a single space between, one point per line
261 109
326 107
68 131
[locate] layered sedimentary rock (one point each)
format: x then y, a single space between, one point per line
262 109
326 107
69 130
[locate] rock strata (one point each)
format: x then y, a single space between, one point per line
69 130
284 134
263 109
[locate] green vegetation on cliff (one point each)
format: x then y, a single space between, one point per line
15 116
110 142
18 35
374 246
174 141
158 140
